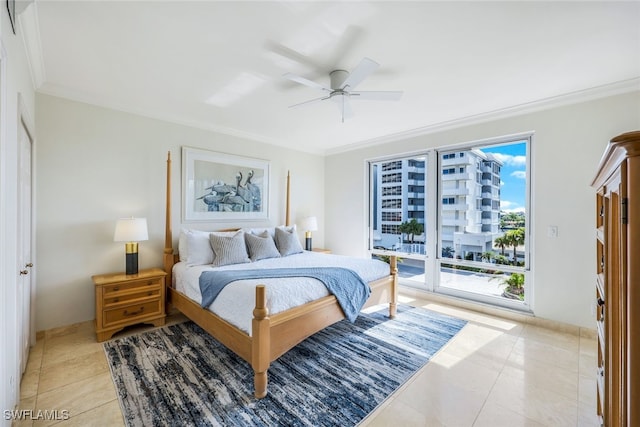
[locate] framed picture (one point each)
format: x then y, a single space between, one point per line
219 186
11 8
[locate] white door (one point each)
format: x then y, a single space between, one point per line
25 256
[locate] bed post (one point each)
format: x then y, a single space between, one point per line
260 337
393 266
168 239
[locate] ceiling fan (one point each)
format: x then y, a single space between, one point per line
342 87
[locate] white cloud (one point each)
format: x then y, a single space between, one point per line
508 159
518 209
519 174
507 206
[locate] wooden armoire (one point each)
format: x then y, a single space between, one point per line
618 281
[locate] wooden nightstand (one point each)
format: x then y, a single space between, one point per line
123 300
322 251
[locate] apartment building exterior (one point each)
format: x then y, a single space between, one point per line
470 202
469 196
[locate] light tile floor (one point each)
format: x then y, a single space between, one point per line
495 372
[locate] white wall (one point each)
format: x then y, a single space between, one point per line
95 165
567 147
15 80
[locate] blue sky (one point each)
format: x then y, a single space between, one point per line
512 175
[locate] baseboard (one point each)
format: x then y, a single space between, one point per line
504 313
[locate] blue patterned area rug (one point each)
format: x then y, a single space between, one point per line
179 375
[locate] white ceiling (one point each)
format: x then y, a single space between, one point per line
219 65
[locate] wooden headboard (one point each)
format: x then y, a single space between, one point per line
170 258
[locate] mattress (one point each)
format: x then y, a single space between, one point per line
236 301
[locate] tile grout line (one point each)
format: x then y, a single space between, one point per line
475 420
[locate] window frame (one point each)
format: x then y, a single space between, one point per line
433 220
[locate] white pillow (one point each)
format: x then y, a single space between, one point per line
261 246
229 249
198 248
182 245
259 230
287 241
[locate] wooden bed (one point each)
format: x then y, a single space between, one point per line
271 336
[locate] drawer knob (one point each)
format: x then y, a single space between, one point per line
116 288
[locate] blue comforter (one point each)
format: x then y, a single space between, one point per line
347 286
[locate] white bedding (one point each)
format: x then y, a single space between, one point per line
236 301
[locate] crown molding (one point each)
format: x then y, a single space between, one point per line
617 88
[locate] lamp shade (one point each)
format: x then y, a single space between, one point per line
309 223
131 230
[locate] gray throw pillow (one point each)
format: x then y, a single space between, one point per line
261 246
229 249
287 241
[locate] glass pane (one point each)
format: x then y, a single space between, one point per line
411 272
398 205
482 203
490 282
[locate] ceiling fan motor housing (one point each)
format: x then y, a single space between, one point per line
337 78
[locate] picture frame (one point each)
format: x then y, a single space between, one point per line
11 9
223 187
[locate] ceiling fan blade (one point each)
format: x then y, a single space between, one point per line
311 101
378 95
361 72
306 82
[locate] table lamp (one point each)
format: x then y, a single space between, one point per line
131 230
308 224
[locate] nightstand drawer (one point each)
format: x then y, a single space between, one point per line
133 285
132 312
131 296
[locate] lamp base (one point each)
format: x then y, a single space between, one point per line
132 263
307 243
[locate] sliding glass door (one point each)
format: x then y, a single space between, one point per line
483 200
398 213
458 218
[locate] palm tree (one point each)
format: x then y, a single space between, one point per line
488 256
515 238
502 242
411 229
447 252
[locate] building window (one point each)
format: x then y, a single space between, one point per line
392 191
392 177
392 204
391 166
392 216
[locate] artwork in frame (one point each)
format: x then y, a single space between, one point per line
219 186
11 8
